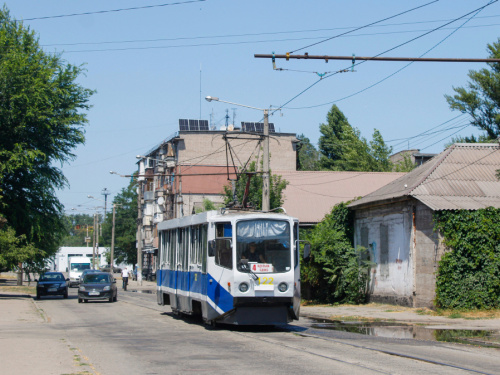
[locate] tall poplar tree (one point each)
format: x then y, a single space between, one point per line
41 122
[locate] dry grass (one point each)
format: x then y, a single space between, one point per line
472 314
24 289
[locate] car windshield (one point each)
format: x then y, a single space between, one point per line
52 277
265 242
96 278
80 266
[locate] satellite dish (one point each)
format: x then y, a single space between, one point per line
230 127
161 200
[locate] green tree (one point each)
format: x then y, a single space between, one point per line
404 165
76 229
125 250
277 185
208 205
307 155
335 273
344 149
15 249
481 98
40 124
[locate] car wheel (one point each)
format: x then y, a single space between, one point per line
110 299
65 294
115 298
85 300
38 296
79 300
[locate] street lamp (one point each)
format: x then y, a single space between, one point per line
265 175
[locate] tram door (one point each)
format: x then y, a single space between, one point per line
195 262
296 278
182 274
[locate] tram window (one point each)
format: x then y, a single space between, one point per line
192 252
223 253
295 238
172 246
224 230
185 248
204 248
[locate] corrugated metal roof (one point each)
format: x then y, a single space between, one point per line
310 195
461 177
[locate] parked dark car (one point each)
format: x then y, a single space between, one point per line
107 269
96 286
52 284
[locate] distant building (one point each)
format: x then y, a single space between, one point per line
61 263
395 222
416 156
310 195
192 165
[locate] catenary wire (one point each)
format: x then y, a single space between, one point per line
365 26
388 50
112 10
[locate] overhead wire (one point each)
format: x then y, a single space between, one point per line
270 33
477 10
113 10
364 26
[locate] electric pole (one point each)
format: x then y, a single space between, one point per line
94 236
112 240
265 177
105 192
139 234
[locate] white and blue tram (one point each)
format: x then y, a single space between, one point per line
231 267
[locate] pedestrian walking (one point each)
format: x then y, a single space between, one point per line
125 278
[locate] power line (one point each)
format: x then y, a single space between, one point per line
112 10
362 27
215 43
477 10
268 33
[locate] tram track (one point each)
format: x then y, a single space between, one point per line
295 330
363 347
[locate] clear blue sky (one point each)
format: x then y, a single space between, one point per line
145 65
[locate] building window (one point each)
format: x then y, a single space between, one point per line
384 250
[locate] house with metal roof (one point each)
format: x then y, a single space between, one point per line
310 195
395 222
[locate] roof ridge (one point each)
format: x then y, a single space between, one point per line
431 170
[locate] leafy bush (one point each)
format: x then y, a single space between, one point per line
469 275
335 273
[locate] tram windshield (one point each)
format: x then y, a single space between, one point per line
264 245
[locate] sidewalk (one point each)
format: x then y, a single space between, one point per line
399 314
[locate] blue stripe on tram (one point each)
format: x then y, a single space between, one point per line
198 283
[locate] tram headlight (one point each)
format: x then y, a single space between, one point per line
243 287
283 287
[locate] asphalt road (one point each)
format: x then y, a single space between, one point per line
136 336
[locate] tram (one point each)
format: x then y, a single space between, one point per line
231 267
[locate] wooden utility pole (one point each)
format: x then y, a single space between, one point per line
266 199
95 234
112 241
139 234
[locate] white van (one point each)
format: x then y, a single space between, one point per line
76 266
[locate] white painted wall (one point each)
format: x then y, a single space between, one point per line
61 258
397 279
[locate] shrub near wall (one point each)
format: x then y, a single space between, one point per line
334 274
469 274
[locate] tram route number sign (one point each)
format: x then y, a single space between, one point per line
262 267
